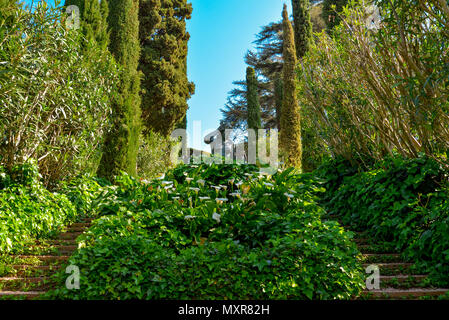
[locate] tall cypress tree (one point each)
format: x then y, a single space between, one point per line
290 135
122 142
93 20
163 39
252 98
302 26
278 97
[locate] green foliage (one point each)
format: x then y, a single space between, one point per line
122 142
211 232
164 63
401 201
55 95
302 26
27 210
252 98
331 12
93 16
154 155
290 136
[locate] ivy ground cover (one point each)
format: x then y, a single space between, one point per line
213 232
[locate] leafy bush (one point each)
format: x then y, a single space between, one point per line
214 232
154 155
27 210
55 90
404 202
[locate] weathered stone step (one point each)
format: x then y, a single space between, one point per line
392 268
368 248
57 242
84 225
69 235
57 249
374 258
401 278
43 259
72 229
27 270
404 293
24 283
24 294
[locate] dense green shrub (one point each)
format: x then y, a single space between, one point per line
27 210
401 201
154 156
54 96
213 232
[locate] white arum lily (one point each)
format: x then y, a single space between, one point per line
235 194
189 180
195 189
161 177
223 187
232 182
267 194
222 199
268 184
290 196
166 183
189 217
204 198
176 198
201 182
216 188
216 217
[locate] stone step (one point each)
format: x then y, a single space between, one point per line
392 268
368 248
84 225
27 270
69 235
25 283
57 242
403 293
374 258
58 249
43 259
72 229
401 278
21 294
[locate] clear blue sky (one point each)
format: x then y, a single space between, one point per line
221 32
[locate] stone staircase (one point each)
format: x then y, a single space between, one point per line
28 276
398 279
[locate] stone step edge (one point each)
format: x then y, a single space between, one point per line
397 293
28 294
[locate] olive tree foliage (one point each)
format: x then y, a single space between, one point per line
54 95
373 90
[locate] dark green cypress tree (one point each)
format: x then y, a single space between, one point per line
290 135
330 16
122 142
163 39
252 98
93 20
302 26
278 97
